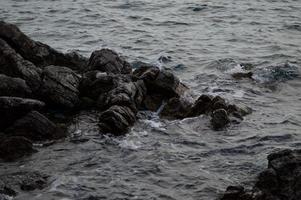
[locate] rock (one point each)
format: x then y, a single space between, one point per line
12 64
153 102
12 148
116 120
60 87
13 108
281 180
95 83
219 119
176 108
201 106
127 94
36 52
13 87
36 127
241 75
106 60
24 180
160 81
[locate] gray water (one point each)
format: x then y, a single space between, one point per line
203 42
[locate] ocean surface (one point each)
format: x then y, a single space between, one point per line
203 42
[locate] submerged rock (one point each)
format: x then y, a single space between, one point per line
13 108
13 183
36 127
219 119
12 64
13 87
60 87
281 180
12 148
106 60
36 52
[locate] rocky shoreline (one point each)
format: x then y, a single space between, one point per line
37 81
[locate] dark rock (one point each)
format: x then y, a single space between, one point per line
12 148
127 94
280 181
95 83
13 87
13 108
26 181
60 87
241 75
153 102
201 106
219 119
36 52
176 108
12 64
36 127
116 120
160 81
106 60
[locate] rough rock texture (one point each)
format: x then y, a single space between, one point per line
12 108
126 94
106 60
12 64
11 184
36 127
280 181
36 52
13 87
175 108
95 83
60 87
116 120
153 102
219 119
160 81
12 148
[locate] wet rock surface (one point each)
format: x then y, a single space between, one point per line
15 87
106 60
280 181
12 108
12 148
60 87
12 184
36 127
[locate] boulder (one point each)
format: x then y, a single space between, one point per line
12 64
60 87
175 108
201 106
13 87
153 102
36 52
36 127
12 148
106 60
116 120
219 119
13 108
95 83
160 81
129 94
281 180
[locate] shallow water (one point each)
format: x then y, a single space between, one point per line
203 42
